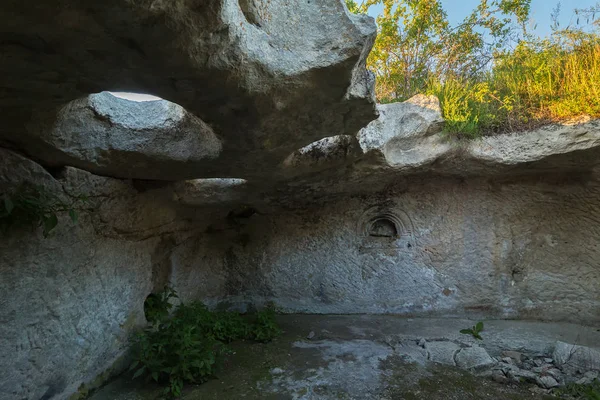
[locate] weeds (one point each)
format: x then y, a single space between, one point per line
474 331
538 82
158 305
34 206
265 328
188 345
583 392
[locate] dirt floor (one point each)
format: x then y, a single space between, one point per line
365 357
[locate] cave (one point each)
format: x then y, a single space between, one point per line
259 170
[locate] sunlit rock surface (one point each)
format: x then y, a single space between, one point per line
116 137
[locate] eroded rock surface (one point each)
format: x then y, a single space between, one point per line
111 136
70 302
268 77
575 358
404 133
217 191
406 140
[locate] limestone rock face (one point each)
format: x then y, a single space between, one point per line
476 358
555 147
406 140
70 302
404 133
263 180
325 153
16 170
215 191
269 77
476 248
88 304
116 137
576 359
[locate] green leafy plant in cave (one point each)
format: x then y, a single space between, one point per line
474 331
158 305
33 205
265 327
188 345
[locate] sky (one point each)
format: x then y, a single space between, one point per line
540 12
457 10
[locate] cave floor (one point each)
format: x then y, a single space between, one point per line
366 357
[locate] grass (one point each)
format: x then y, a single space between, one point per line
583 392
538 82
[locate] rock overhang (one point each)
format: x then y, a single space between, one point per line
249 81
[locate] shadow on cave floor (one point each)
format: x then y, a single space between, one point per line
366 357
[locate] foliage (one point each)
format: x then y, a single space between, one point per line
583 392
188 345
416 42
540 81
265 328
158 305
34 206
474 331
468 105
490 73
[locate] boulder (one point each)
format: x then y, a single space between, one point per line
513 355
405 133
573 358
116 137
442 352
474 358
547 382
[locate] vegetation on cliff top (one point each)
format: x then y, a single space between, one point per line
490 73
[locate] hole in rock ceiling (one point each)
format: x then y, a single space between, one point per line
137 97
383 227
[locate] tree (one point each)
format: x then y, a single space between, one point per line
416 43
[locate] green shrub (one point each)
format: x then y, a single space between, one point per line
265 327
222 326
34 206
175 352
188 345
158 305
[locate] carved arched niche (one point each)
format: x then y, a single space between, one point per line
384 228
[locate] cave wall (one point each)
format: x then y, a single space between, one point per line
70 302
482 248
471 248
